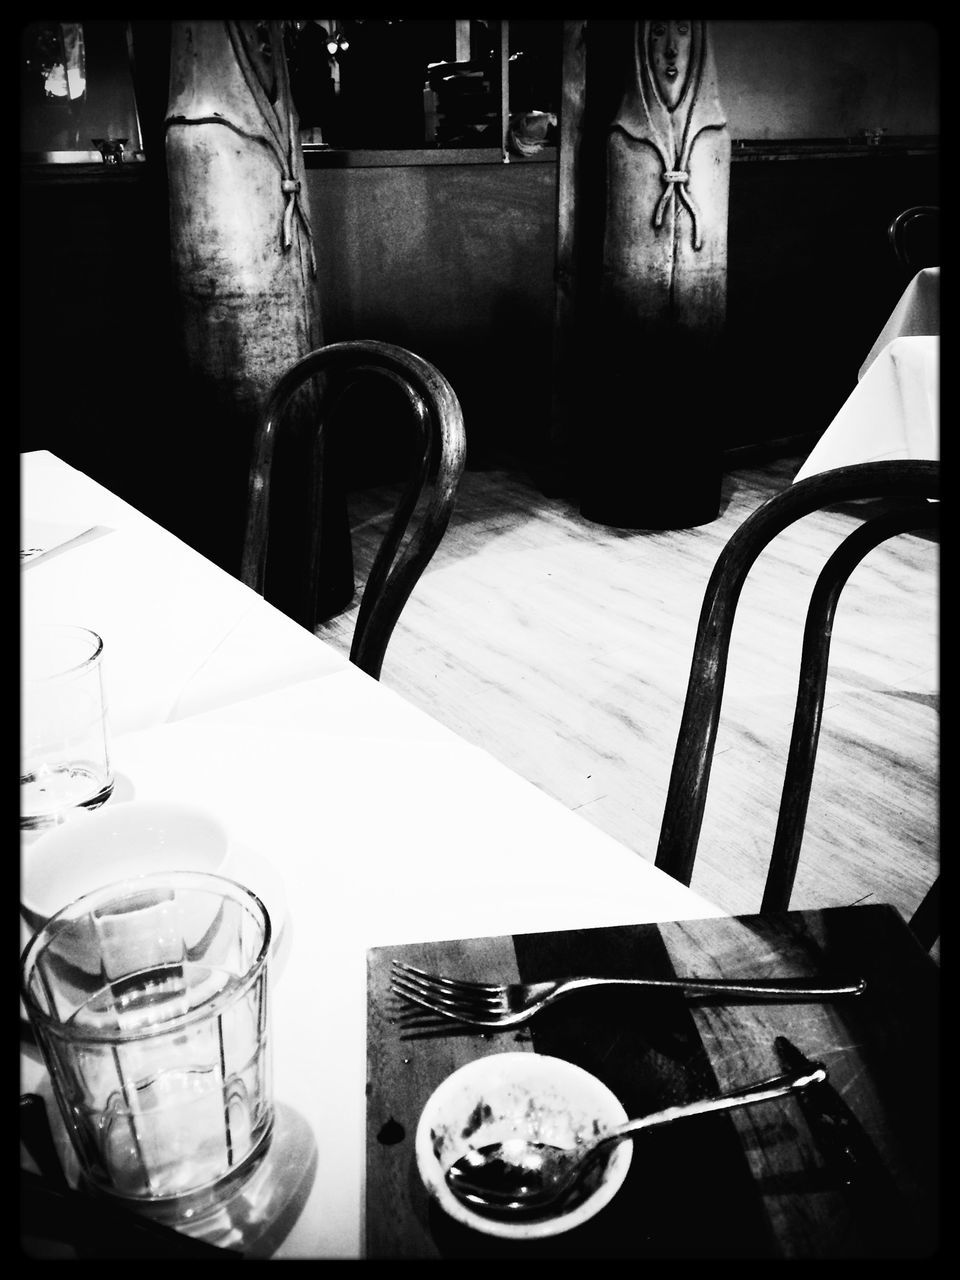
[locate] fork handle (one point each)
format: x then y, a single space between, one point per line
754 988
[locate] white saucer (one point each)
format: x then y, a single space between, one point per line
251 870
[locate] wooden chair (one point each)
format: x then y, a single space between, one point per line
425 505
910 482
914 236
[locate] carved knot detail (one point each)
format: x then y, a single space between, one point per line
291 189
675 185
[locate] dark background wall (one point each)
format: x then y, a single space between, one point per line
457 263
828 79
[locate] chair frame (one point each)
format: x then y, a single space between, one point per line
438 421
898 229
917 481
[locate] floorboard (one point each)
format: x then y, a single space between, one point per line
563 647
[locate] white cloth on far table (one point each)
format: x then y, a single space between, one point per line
916 315
893 412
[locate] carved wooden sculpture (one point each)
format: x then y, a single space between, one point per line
662 292
668 158
241 241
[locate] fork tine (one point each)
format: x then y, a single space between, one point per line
434 1006
440 983
464 994
471 1015
431 998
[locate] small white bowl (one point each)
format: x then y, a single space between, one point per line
509 1095
117 842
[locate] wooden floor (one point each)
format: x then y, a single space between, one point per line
563 648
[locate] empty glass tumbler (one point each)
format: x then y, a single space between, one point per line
64 756
149 1001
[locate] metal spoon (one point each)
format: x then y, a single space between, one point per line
519 1176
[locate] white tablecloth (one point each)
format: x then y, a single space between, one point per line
179 634
916 315
379 841
360 820
893 411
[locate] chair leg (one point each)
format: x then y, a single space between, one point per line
817 635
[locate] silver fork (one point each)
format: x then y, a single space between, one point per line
487 1004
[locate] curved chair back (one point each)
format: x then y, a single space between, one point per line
914 482
914 236
435 474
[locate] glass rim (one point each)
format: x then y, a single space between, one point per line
64 627
198 880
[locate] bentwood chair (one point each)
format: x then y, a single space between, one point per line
431 407
914 236
910 485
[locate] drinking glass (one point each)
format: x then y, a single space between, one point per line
65 757
149 1001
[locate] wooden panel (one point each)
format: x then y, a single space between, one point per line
755 1183
457 265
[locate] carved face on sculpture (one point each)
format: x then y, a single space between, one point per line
668 51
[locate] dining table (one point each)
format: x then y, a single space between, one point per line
916 314
371 831
180 635
893 409
358 819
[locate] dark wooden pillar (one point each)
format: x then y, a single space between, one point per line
245 280
651 260
564 381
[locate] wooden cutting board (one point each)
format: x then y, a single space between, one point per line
750 1183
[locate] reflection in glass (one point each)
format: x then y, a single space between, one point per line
398 83
54 60
53 78
76 85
